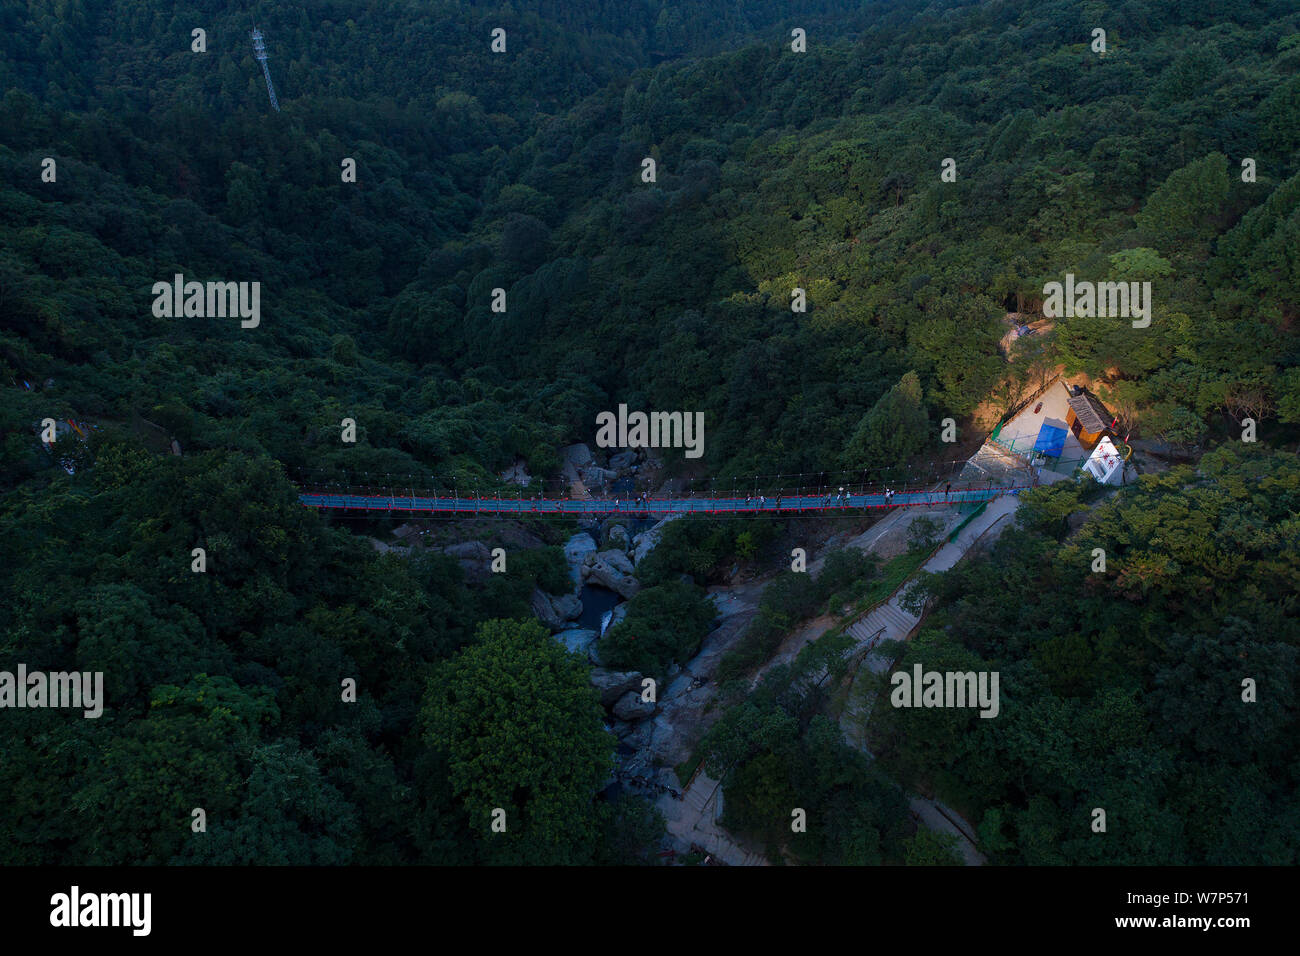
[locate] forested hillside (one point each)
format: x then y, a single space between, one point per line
1124 689
821 172
522 171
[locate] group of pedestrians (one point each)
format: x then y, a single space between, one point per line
640 503
841 498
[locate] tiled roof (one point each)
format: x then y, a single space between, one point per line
1091 413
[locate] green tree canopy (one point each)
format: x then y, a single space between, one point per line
522 731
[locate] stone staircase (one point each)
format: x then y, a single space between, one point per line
692 821
884 622
895 622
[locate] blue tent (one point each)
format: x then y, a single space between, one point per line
1051 440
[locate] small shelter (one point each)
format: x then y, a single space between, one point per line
1105 463
1088 418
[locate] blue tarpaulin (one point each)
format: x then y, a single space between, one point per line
1051 441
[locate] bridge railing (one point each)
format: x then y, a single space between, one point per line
901 477
366 500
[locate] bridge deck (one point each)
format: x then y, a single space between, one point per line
792 504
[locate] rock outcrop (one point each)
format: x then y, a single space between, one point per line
620 612
474 556
612 685
541 606
469 551
631 707
612 569
618 537
576 456
577 640
575 555
594 476
567 606
648 540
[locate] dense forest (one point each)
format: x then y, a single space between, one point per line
522 171
1125 690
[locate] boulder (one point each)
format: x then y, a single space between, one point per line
545 611
469 551
575 554
639 735
577 640
648 540
631 707
595 476
616 559
517 473
618 538
574 458
620 612
611 685
567 606
579 455
613 570
624 459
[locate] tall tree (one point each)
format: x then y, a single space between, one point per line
522 730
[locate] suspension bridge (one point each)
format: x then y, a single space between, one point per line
646 506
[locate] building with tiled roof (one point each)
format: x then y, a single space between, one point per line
1088 418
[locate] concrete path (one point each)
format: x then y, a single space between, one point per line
890 621
692 820
953 551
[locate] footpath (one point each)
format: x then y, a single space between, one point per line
692 820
